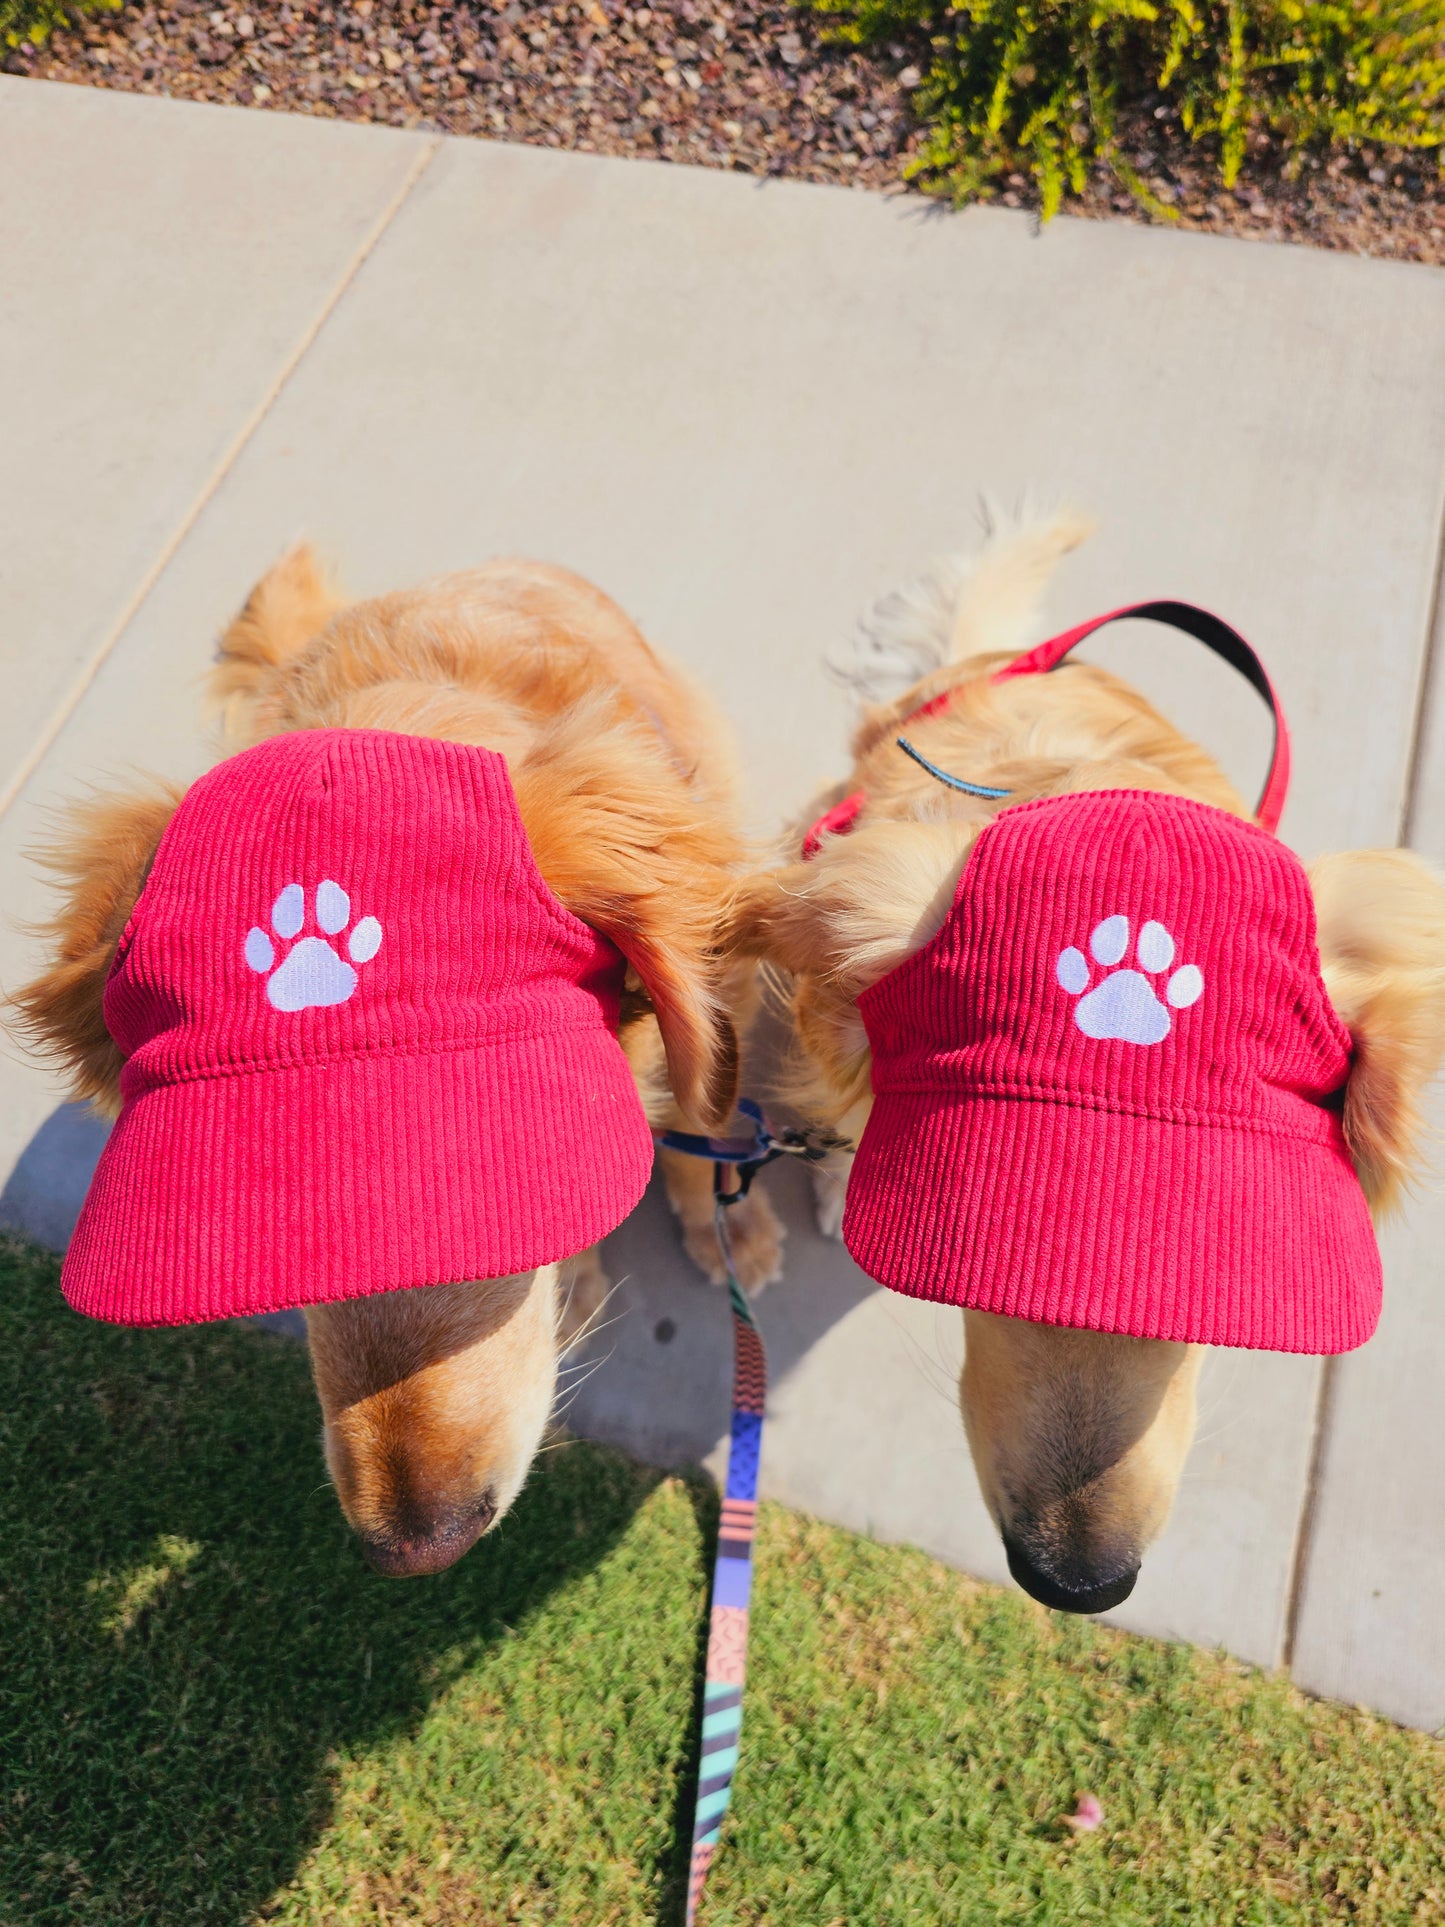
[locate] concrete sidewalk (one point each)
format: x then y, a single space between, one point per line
743 409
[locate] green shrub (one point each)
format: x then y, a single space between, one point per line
1036 85
33 20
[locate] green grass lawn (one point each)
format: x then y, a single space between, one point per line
211 1713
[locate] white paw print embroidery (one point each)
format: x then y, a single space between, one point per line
1124 1004
313 971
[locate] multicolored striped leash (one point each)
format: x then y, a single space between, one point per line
732 1579
732 1575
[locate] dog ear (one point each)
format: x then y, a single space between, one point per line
837 923
101 858
622 839
1382 954
773 917
861 906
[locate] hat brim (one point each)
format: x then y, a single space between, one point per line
1064 1215
304 1185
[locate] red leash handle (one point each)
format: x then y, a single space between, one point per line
1215 634
1211 630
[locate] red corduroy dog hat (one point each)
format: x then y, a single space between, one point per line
366 1047
1108 1093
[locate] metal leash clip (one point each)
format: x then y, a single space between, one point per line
748 1155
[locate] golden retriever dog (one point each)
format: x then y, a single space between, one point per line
434 1400
1078 1437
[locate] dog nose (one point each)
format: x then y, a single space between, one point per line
1069 1593
424 1543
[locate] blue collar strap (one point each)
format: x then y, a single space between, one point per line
953 782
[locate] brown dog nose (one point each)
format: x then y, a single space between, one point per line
1069 1591
428 1542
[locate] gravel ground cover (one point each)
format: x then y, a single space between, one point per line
714 83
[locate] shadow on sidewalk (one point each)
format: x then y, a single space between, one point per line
42 1197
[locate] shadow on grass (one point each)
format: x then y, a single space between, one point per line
187 1631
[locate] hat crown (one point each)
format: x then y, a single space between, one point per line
338 893
1127 951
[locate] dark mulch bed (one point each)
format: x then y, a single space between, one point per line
702 81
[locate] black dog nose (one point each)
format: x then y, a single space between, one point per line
426 1544
1068 1594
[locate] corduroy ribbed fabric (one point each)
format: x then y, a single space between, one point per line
443 1100
1107 1094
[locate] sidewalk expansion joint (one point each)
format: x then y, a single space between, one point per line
1427 725
91 668
1303 1548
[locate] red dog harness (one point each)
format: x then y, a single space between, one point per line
1213 632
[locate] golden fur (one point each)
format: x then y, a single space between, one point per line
1078 1439
100 860
434 1400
